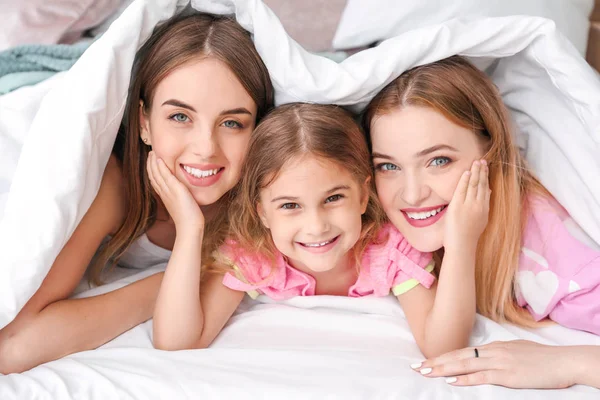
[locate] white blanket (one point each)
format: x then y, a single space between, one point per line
348 347
305 348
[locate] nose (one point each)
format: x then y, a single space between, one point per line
317 223
204 142
414 190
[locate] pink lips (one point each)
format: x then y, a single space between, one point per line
422 223
320 249
206 181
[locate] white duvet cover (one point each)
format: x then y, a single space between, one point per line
321 347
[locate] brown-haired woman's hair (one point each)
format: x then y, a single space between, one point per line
285 135
467 97
177 41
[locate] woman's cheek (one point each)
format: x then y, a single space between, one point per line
384 192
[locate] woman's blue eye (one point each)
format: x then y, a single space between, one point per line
232 124
335 197
179 117
439 161
387 167
289 206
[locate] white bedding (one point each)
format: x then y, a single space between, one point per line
342 348
305 348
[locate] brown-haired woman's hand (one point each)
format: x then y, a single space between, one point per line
518 364
178 200
467 214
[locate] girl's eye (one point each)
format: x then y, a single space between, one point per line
439 161
387 167
289 206
335 197
179 117
232 124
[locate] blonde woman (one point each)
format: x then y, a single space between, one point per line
426 127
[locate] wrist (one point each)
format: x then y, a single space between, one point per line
580 364
190 229
460 247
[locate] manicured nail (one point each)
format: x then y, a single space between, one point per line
451 380
416 365
467 173
484 162
425 371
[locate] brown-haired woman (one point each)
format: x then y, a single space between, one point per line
305 222
426 128
198 89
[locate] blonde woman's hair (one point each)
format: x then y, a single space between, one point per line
467 97
291 131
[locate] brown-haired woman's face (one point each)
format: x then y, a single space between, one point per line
419 156
200 124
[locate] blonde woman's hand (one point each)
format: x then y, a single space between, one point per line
516 364
467 214
178 200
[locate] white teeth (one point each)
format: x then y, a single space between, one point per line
318 244
424 215
198 173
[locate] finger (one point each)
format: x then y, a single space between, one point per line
484 185
149 168
474 180
166 174
463 186
487 377
158 178
461 367
449 357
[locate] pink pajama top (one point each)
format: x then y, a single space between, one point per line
559 269
393 266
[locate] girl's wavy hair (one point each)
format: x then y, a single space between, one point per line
177 41
467 97
287 134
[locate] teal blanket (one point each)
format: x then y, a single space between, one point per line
30 64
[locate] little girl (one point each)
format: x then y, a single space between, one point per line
305 222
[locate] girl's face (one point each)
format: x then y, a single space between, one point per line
419 156
200 124
313 210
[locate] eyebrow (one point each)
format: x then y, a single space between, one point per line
181 104
437 147
292 198
421 153
239 110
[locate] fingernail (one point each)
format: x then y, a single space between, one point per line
484 162
416 365
467 173
451 380
425 371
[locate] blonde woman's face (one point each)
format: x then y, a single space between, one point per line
313 212
419 156
200 125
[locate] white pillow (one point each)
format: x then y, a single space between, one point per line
553 94
367 21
